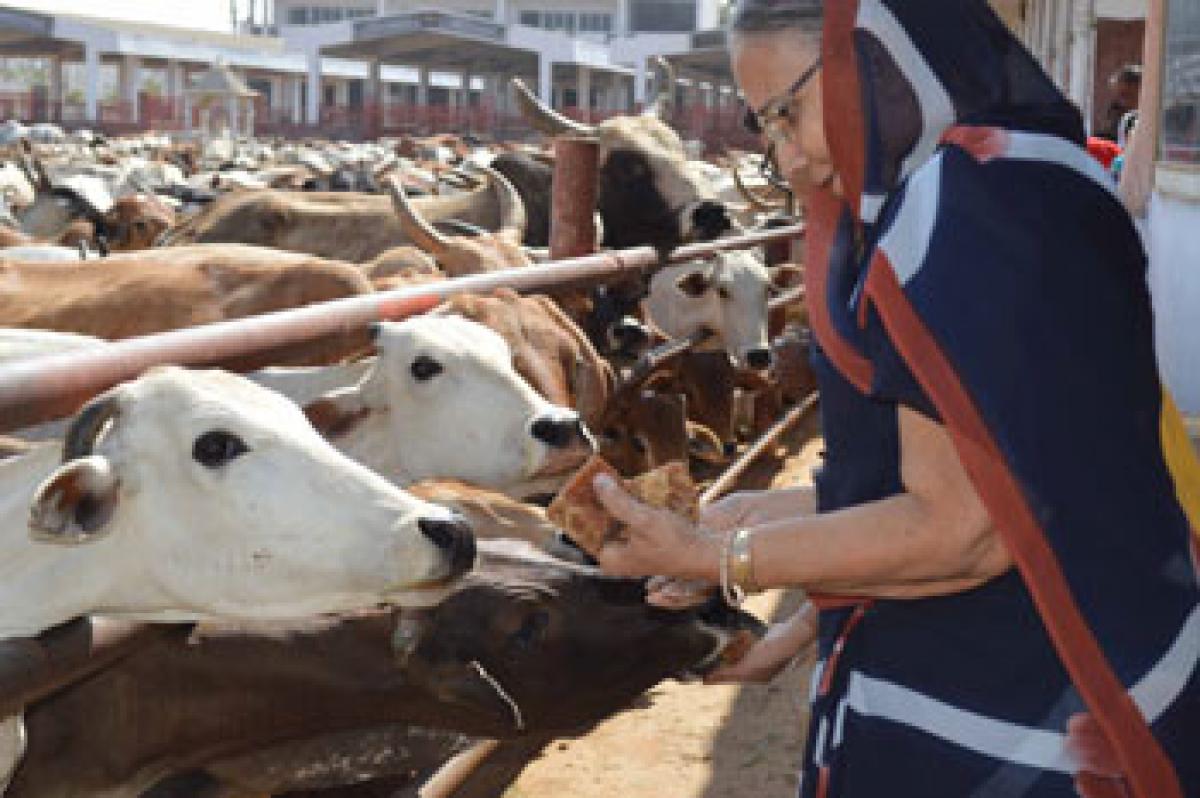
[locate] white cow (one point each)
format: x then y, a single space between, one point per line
473 419
442 400
47 253
189 495
726 294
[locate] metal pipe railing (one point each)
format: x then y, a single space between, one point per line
50 387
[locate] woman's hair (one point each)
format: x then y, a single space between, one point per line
766 16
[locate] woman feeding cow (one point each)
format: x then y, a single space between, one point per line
1003 608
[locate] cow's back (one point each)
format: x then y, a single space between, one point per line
158 290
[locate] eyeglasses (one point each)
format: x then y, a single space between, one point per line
776 118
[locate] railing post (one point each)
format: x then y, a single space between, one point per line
573 197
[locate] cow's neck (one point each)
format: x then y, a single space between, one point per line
41 584
373 443
304 385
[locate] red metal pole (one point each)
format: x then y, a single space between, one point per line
573 197
33 391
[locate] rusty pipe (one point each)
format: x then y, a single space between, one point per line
573 197
40 389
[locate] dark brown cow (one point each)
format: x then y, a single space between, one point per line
156 290
525 645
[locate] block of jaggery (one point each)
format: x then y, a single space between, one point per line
578 512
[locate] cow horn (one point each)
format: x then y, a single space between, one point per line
80 437
546 119
419 231
756 202
663 105
512 208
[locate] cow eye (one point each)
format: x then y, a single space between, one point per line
533 628
723 292
217 447
425 368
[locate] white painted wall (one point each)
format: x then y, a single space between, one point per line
1173 242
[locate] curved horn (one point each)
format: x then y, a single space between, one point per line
80 437
419 231
512 207
756 202
663 105
546 119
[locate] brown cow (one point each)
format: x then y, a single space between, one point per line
524 645
461 255
156 290
346 226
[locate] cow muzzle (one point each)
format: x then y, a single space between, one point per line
705 221
567 440
455 539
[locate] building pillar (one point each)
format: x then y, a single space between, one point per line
91 82
373 94
380 8
175 85
1083 43
464 97
423 87
131 82
583 90
500 11
297 92
545 79
231 110
621 21
312 114
639 83
54 89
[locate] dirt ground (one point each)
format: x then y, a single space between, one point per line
692 740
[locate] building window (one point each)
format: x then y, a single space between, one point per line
1181 87
531 18
662 16
595 23
316 15
559 20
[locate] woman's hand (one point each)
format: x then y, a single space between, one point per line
783 642
658 542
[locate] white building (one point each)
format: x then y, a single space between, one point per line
341 63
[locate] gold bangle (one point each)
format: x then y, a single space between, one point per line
741 562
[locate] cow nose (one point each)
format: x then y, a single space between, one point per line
759 358
628 335
709 219
558 433
453 535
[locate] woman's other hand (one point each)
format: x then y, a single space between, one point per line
766 659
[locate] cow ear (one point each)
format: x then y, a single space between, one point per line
694 284
75 503
786 276
704 444
337 412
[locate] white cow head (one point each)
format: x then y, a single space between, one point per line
444 401
725 294
192 494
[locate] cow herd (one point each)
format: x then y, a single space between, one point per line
342 545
